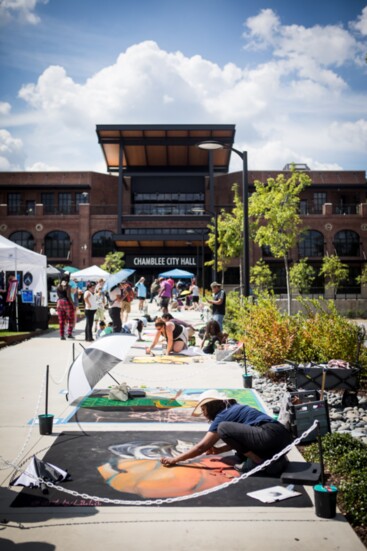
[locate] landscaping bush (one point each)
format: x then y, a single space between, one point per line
267 333
318 333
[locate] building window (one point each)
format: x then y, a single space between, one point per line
48 201
303 207
102 243
350 285
30 207
347 243
165 204
311 244
23 238
14 204
81 198
266 251
319 199
57 244
65 203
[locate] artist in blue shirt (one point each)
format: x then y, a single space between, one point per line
252 434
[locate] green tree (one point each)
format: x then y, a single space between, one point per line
362 279
113 262
261 278
229 235
301 276
334 271
274 208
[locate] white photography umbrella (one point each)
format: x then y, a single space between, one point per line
95 361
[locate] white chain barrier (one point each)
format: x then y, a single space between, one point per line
106 500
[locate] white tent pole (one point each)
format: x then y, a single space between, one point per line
16 294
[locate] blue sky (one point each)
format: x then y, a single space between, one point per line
290 75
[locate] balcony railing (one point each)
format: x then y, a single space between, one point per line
346 208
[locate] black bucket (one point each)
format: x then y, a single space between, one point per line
45 422
325 500
247 381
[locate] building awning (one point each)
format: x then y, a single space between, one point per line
164 148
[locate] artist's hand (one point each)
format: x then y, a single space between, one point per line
168 461
148 350
212 451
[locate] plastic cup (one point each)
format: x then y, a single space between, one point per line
45 423
325 500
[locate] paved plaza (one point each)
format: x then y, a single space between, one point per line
133 527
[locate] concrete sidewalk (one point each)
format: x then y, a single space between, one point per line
23 369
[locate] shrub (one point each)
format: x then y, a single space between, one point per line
267 333
345 457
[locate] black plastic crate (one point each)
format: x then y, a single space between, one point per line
309 378
309 409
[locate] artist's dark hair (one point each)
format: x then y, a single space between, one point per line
216 406
167 316
213 327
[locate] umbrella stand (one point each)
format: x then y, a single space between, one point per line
45 420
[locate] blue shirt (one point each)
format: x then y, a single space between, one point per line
238 413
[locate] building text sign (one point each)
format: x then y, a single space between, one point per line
161 261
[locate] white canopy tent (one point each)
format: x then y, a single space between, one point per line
93 273
14 258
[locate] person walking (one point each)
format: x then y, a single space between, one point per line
154 289
65 308
141 292
90 307
252 434
127 296
218 303
165 294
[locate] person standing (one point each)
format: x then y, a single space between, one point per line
65 308
195 294
114 310
165 294
141 292
90 305
100 312
218 303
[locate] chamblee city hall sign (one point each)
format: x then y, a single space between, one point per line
160 261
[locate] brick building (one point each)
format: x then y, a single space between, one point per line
157 199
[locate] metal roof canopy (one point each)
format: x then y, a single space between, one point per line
164 148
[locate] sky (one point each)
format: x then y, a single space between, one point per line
290 75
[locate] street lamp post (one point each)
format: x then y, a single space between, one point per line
212 146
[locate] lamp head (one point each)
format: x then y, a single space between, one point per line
210 145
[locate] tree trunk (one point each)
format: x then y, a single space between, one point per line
289 297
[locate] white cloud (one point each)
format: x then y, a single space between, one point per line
42 167
361 24
284 109
5 108
262 29
351 136
11 152
330 45
274 156
19 10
